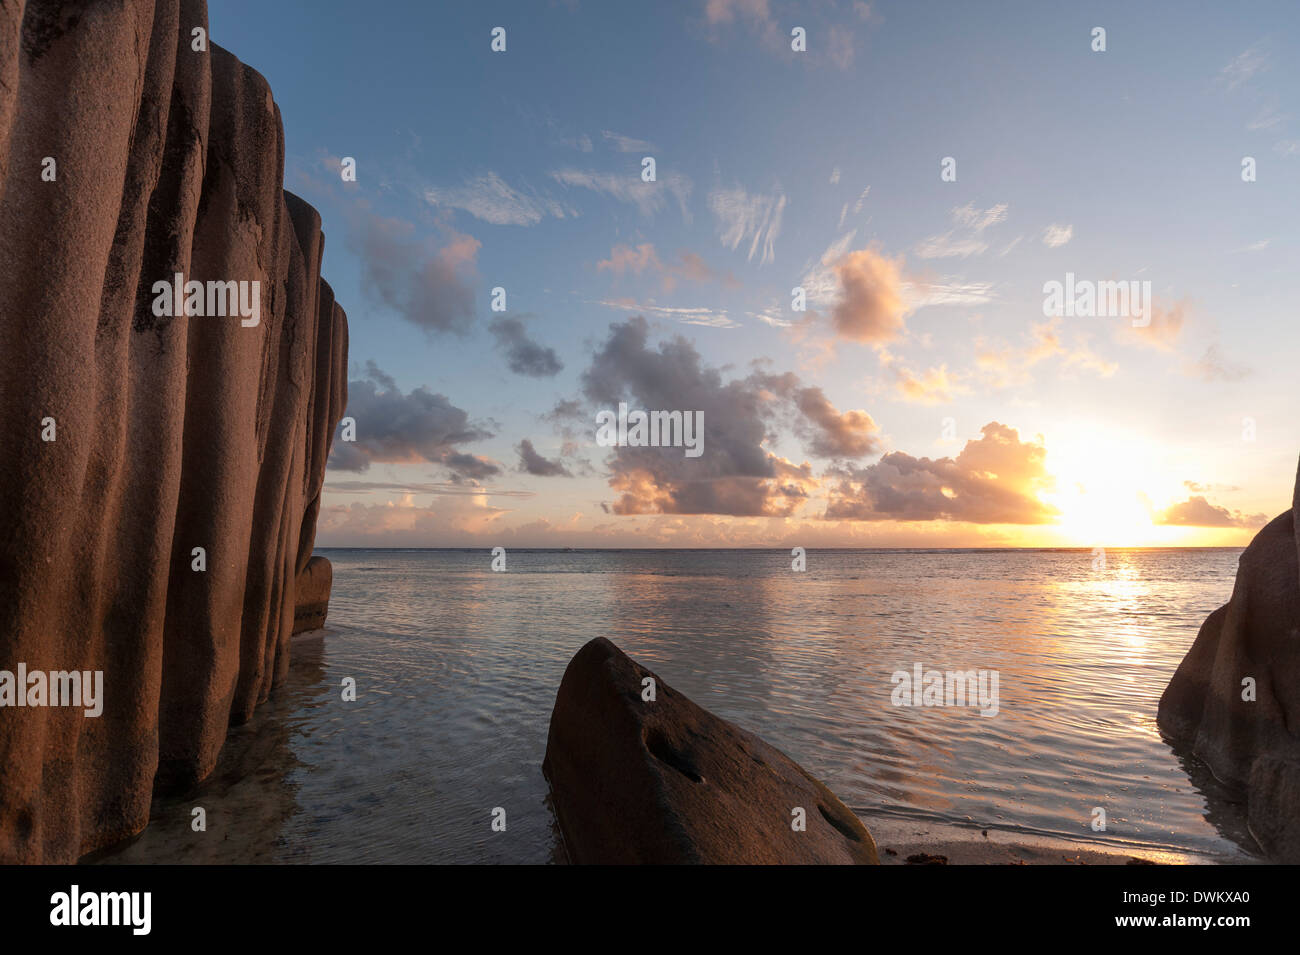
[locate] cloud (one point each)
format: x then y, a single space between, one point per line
491 199
1161 332
994 480
1199 488
713 318
1004 366
966 239
412 488
1244 67
1196 511
1055 236
626 144
755 219
1215 366
839 46
524 355
394 428
624 259
771 316
934 387
428 286
648 197
950 292
830 433
736 474
725 11
533 463
871 306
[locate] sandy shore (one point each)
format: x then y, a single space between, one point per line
907 842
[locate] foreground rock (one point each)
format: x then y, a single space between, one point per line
312 595
133 438
668 782
1253 640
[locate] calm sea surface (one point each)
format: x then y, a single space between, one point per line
456 669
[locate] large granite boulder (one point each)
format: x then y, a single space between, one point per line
131 437
666 781
312 595
1234 701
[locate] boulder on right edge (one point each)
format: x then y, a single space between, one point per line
312 595
665 781
1235 699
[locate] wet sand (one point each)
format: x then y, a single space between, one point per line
905 842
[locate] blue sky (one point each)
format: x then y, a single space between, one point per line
821 169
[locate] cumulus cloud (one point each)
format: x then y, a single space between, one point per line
533 463
994 480
871 307
736 474
420 426
1197 511
427 285
745 218
524 355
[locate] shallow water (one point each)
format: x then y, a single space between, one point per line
456 670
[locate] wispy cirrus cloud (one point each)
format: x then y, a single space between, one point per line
1055 236
748 218
648 197
711 317
966 238
490 198
627 144
1244 67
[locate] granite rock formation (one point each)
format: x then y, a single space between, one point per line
666 781
312 595
1234 701
132 438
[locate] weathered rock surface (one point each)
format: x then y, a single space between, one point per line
172 433
1256 635
668 782
312 595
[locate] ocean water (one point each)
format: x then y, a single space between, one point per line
456 669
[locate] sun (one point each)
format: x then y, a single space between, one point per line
1104 487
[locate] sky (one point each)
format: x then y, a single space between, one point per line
921 171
